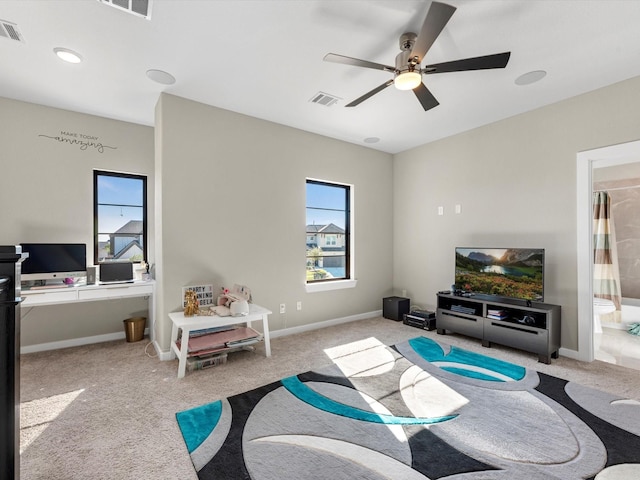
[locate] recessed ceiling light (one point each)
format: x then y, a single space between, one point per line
161 76
67 55
531 77
371 140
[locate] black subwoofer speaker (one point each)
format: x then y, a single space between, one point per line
394 308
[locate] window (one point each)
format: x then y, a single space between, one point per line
328 231
119 217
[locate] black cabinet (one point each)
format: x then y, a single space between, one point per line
10 258
529 326
395 307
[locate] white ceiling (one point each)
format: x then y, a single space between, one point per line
264 58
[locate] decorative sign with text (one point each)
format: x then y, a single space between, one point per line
204 294
82 140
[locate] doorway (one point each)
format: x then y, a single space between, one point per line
587 161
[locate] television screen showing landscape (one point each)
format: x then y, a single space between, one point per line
504 272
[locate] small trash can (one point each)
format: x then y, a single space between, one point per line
134 328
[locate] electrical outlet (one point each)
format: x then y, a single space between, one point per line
283 308
299 306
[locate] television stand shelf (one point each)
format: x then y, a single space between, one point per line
509 322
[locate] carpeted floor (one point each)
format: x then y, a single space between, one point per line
418 410
107 411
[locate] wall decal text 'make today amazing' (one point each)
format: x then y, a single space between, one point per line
80 139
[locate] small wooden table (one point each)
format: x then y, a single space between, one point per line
201 322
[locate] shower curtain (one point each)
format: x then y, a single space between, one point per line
606 275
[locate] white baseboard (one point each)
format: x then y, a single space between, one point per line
166 355
327 323
162 355
76 342
566 352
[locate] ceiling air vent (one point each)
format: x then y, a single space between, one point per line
139 8
325 99
10 30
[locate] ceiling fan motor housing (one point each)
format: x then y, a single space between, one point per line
404 62
407 40
407 73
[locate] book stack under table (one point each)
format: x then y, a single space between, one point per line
209 347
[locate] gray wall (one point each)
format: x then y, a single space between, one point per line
231 208
228 182
516 183
46 195
232 193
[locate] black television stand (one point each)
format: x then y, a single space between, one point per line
530 326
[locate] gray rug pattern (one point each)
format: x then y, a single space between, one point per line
515 429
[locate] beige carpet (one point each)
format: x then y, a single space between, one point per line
107 411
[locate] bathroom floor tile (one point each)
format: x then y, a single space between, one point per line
619 347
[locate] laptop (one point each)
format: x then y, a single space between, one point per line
116 272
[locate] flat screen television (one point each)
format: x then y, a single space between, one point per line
54 261
503 272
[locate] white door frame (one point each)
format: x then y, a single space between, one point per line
600 157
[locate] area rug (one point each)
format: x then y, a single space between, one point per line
420 409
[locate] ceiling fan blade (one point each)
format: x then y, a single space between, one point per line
437 17
378 89
499 60
356 62
426 98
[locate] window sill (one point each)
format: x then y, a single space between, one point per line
327 286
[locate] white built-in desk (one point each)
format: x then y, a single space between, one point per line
201 322
92 293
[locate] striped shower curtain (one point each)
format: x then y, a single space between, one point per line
606 275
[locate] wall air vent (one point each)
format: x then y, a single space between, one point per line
139 8
10 30
325 99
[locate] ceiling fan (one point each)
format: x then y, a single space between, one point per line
407 71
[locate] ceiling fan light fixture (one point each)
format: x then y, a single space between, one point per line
407 80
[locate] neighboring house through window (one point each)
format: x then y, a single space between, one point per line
120 217
328 231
